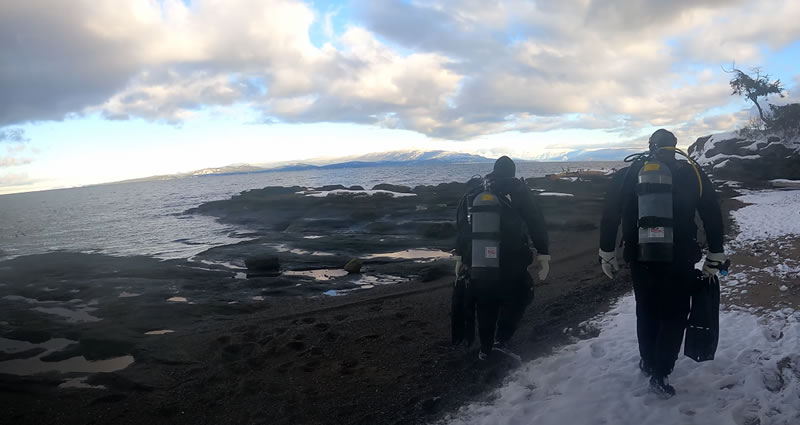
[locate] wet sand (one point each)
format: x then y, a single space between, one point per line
276 349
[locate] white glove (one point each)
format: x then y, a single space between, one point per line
608 262
713 261
459 266
544 266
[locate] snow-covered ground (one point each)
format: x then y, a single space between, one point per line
758 144
754 379
597 381
772 214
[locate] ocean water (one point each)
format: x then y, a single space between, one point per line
147 218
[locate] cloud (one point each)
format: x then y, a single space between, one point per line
449 69
16 180
10 161
16 135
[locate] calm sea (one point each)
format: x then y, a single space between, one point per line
147 217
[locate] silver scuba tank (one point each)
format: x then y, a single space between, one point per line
654 190
485 215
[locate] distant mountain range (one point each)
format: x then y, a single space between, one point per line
589 155
395 158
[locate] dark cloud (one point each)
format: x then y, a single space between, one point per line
445 68
428 29
53 64
632 16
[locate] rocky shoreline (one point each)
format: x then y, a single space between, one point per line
209 340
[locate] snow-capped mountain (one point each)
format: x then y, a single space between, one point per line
588 155
417 155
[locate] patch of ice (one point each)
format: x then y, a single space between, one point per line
755 378
556 194
80 383
177 300
411 254
160 332
126 294
317 274
27 300
72 316
340 192
72 365
282 247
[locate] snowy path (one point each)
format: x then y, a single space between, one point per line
754 379
597 381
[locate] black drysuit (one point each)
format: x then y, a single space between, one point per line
501 307
663 290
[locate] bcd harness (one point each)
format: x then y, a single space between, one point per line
654 190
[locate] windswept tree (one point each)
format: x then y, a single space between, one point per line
755 86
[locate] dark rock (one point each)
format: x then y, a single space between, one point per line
102 349
117 382
439 230
263 264
392 188
748 159
330 187
70 351
381 227
356 188
435 272
29 335
111 398
353 266
429 405
33 352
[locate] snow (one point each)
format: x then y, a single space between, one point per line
721 164
755 378
785 183
322 194
700 155
555 194
716 161
773 214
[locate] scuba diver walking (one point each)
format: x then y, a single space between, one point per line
495 220
655 199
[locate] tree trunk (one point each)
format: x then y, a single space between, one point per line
764 119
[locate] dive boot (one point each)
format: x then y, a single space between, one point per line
660 385
645 368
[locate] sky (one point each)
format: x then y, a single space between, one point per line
95 91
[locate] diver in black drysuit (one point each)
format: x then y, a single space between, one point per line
500 307
662 290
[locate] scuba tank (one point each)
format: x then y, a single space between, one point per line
485 222
654 190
